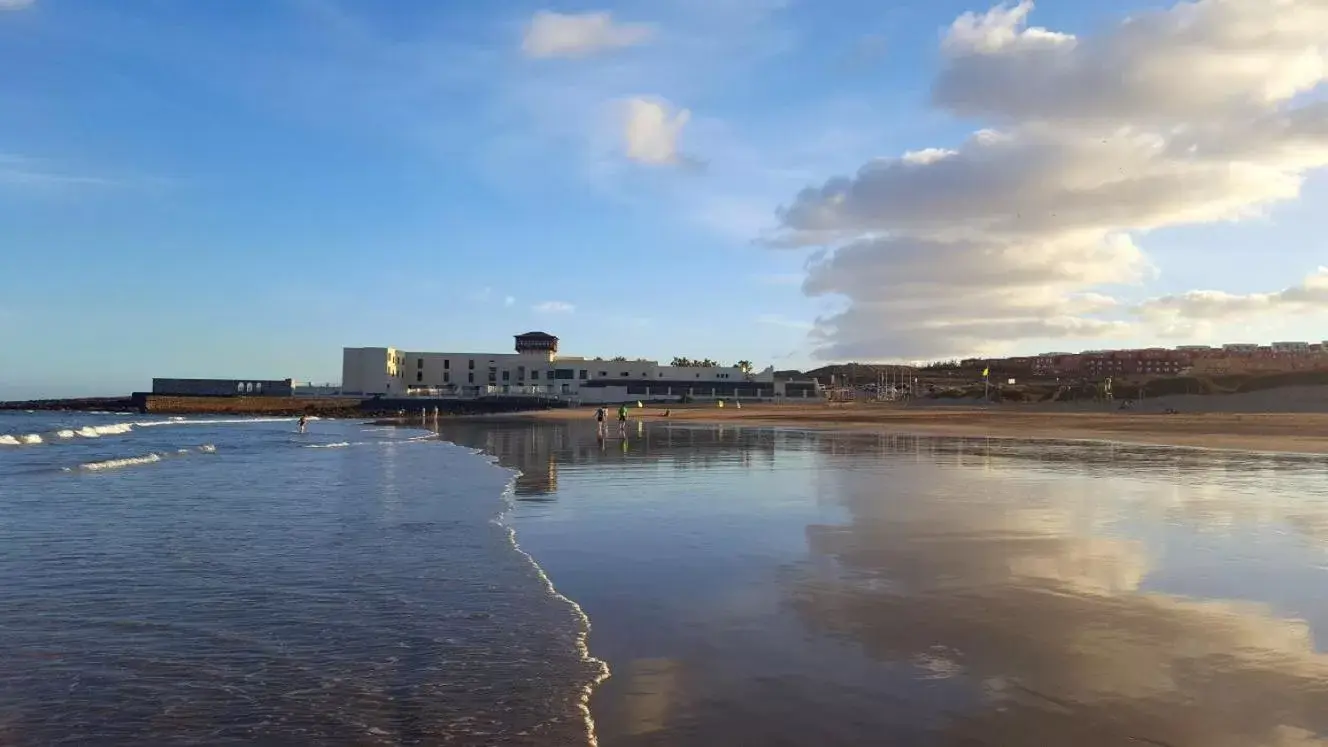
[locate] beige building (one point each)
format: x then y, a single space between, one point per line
535 368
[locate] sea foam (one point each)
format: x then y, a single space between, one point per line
118 429
151 458
118 463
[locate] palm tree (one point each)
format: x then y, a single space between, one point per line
681 362
744 366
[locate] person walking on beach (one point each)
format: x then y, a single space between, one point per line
622 420
599 417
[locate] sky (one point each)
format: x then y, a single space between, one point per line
223 189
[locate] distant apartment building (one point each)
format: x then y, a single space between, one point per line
1145 362
536 368
1228 358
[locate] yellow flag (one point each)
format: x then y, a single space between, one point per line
985 372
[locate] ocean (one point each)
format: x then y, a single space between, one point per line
212 581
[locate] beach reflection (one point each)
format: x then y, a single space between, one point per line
1006 586
789 587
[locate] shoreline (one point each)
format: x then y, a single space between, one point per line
1290 433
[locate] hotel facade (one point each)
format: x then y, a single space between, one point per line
536 369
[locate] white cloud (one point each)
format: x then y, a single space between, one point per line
1212 58
651 128
1308 296
1176 117
554 307
509 301
551 34
15 4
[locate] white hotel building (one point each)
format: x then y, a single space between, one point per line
536 369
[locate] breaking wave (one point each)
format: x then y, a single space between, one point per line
338 445
150 458
117 429
117 463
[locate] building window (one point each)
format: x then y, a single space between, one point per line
470 377
472 364
239 387
447 378
603 373
258 387
447 364
520 374
419 363
419 376
584 374
507 375
626 374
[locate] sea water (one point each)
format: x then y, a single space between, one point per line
232 581
189 581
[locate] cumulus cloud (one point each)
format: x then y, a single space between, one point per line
551 34
1177 117
1211 58
554 307
1310 295
651 128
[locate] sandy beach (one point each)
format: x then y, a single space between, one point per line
1293 432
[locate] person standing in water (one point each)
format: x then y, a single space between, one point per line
622 420
599 417
304 419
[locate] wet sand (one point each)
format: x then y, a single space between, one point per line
1275 432
799 587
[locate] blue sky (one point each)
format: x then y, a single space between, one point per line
222 189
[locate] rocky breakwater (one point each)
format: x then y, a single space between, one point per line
322 406
82 404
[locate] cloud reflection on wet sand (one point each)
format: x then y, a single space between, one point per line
1047 620
756 586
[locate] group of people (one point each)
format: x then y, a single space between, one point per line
601 414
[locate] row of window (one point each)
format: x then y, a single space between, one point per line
562 373
447 377
551 374
726 390
447 364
